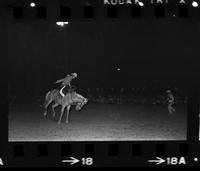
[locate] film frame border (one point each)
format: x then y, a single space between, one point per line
87 10
15 153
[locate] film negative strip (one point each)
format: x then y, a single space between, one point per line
100 83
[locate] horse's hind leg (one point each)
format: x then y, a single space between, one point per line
53 108
46 106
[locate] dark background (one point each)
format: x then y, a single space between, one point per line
39 53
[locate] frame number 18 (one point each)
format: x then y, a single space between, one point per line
87 161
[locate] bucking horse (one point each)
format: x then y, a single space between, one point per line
69 99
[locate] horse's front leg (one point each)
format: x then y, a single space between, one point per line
67 118
61 115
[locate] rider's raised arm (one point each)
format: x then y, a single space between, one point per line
59 81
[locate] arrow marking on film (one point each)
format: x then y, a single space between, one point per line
72 160
158 161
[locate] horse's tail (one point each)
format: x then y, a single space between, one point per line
46 98
47 95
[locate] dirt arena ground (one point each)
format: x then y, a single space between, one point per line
98 122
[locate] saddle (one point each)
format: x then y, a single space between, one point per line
69 90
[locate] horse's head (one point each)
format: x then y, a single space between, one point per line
85 101
81 104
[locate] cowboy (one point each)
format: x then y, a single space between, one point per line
170 101
66 82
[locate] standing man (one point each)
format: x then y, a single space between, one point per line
170 102
66 82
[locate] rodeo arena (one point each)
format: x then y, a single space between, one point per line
146 111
